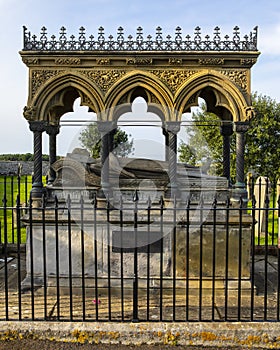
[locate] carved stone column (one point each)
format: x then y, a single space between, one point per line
240 129
226 131
37 127
166 135
52 131
172 128
106 130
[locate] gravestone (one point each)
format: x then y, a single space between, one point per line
261 190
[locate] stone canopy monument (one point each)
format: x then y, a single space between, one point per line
107 73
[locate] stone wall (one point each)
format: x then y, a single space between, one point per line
11 167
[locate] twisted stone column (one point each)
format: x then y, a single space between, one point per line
226 131
106 130
37 127
52 131
172 128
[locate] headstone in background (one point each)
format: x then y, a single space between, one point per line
261 190
249 181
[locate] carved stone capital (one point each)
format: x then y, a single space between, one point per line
226 129
173 127
106 127
241 127
37 126
52 129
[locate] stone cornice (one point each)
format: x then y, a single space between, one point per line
141 59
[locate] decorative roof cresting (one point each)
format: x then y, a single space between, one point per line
140 42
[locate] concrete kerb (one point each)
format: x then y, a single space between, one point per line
263 335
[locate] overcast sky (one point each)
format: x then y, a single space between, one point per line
14 133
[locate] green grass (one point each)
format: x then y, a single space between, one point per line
272 224
12 186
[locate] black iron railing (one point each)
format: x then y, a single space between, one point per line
140 42
94 260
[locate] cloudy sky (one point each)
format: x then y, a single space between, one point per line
14 133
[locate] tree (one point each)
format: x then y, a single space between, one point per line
90 138
205 142
262 140
21 157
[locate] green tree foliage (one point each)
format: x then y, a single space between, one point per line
205 143
262 151
21 157
263 138
90 139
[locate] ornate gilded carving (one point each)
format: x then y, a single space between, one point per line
86 100
103 61
211 61
29 61
104 78
68 61
175 61
239 77
29 113
154 99
173 78
39 77
123 99
192 101
250 112
139 61
248 61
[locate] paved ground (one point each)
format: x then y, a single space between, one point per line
253 334
45 345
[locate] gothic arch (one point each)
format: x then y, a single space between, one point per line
228 95
56 97
159 98
170 73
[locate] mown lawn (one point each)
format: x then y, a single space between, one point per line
271 216
10 188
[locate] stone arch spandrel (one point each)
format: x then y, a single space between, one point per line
50 94
228 94
155 89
